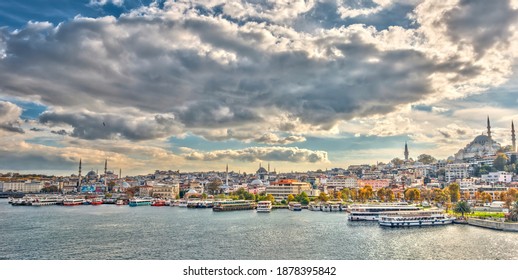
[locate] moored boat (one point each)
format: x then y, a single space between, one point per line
295 206
372 212
158 202
73 201
264 206
96 201
314 206
122 201
45 201
415 218
234 205
334 207
182 203
145 201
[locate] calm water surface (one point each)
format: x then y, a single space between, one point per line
171 233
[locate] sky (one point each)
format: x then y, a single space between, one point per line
194 85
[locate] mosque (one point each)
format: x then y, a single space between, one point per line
483 145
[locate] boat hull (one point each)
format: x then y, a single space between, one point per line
437 222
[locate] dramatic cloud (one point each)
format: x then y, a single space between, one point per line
89 125
10 117
211 72
261 154
258 72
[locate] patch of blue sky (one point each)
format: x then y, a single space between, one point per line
338 147
30 110
325 15
502 97
15 14
45 141
202 144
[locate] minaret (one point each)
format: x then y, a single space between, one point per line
513 137
120 173
79 181
226 177
105 167
406 151
488 128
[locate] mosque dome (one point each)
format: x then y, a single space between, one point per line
91 174
482 140
261 170
256 182
481 146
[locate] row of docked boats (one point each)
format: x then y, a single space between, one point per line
225 205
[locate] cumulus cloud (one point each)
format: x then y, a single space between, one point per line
289 154
274 139
104 2
211 72
245 70
10 117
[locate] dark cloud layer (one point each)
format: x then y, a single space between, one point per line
195 70
481 24
109 126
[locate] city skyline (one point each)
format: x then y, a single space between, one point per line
195 85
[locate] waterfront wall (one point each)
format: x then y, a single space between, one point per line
493 224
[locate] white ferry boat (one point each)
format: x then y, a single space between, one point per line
145 201
264 206
295 206
334 207
233 205
314 207
325 207
73 201
369 212
45 201
415 218
182 203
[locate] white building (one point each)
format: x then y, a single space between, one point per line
456 171
26 187
498 177
281 189
341 182
467 182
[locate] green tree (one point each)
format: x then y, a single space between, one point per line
454 190
513 215
290 198
426 159
462 207
381 194
323 196
346 194
270 198
412 194
214 186
49 189
500 162
397 161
